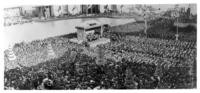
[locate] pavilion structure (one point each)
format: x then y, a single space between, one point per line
90 32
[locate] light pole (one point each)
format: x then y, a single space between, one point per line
177 30
145 14
145 22
175 14
148 14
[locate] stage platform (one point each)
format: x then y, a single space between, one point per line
92 43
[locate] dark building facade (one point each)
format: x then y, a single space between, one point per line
90 9
114 8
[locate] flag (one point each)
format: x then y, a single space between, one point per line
73 8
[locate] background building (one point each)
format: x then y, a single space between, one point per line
59 10
13 12
90 9
74 9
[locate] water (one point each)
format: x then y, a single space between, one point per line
40 30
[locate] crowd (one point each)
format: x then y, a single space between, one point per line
174 51
165 29
9 21
129 64
84 73
32 53
161 28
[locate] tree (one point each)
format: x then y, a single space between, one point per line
121 7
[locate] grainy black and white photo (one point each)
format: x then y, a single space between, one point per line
100 47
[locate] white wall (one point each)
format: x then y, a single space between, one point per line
102 8
55 10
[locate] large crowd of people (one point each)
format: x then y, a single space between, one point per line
130 63
162 28
84 73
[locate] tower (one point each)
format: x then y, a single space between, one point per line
11 56
51 53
